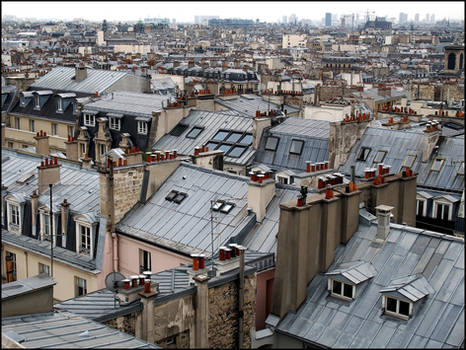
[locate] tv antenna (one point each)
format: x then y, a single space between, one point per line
113 283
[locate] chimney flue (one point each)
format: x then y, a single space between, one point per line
383 221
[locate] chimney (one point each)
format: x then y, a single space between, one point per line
86 162
317 95
80 73
201 337
64 220
34 207
133 156
383 221
71 148
125 142
42 143
429 141
208 159
3 135
258 125
49 173
261 190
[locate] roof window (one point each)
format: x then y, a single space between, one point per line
176 196
246 140
236 151
221 135
272 143
364 153
178 129
194 132
380 156
222 206
409 160
296 147
461 168
437 164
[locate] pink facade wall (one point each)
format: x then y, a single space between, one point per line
161 259
107 263
264 285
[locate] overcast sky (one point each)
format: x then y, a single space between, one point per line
185 11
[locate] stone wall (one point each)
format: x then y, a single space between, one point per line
223 314
447 92
127 190
126 324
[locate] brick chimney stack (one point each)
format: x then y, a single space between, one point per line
49 173
42 143
71 148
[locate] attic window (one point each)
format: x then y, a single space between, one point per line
59 105
409 160
296 147
246 140
380 156
194 132
461 168
36 102
180 197
236 152
171 195
397 307
178 130
364 153
217 205
224 207
342 290
221 135
234 137
272 143
437 164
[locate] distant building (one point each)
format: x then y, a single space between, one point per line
403 18
230 22
379 23
328 19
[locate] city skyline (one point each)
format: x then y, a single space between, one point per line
273 12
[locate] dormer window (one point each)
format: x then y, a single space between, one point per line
89 119
115 121
84 236
342 290
296 147
22 100
272 143
142 127
14 216
397 307
36 101
59 105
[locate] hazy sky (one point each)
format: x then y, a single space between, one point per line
185 11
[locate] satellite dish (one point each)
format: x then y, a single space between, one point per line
112 280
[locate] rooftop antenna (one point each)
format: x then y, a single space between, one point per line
113 282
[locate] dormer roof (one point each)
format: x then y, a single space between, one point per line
412 287
354 272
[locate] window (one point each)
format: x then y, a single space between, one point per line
84 240
142 127
421 207
32 126
212 145
409 160
296 147
234 137
44 268
364 153
22 100
83 148
14 214
71 130
442 211
226 207
224 148
17 123
221 135
178 130
10 259
341 289
54 129
194 132
397 307
89 119
45 226
180 197
171 195
10 144
75 108
283 180
217 205
461 169
102 148
437 164
59 105
115 123
246 140
37 102
144 261
80 286
236 151
380 156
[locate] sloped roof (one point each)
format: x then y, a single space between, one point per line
413 287
60 78
354 271
438 322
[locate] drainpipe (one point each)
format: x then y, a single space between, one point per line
115 252
241 296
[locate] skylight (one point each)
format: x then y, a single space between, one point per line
194 132
364 153
220 136
272 143
179 129
380 156
437 164
409 160
296 147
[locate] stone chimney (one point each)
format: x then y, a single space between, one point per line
258 126
383 221
71 148
317 95
134 156
86 162
42 143
261 190
125 142
49 173
64 220
80 73
201 338
148 322
429 141
208 159
34 207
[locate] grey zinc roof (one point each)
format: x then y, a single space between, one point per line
397 143
314 133
439 319
354 271
128 103
248 104
186 227
447 179
27 285
60 78
212 122
413 287
61 330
